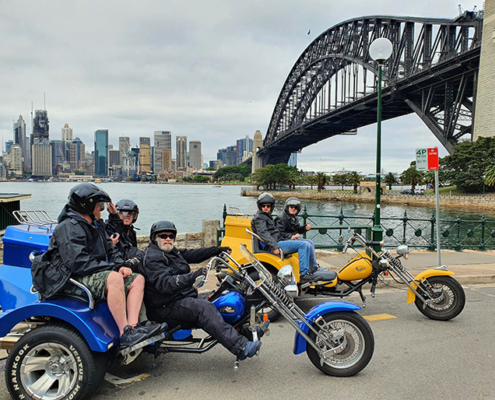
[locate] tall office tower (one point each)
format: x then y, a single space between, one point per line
67 134
222 156
42 158
195 154
163 141
113 158
8 145
20 136
144 155
166 160
231 156
124 145
257 162
181 148
41 127
59 155
16 159
248 146
101 152
77 152
240 144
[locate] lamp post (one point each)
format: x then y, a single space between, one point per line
380 50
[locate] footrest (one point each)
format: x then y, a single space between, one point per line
142 344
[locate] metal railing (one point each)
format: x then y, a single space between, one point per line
456 234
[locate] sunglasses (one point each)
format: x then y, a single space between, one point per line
166 236
266 205
293 207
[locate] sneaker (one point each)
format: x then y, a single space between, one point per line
151 328
251 349
308 278
131 336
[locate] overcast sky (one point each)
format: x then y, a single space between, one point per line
209 70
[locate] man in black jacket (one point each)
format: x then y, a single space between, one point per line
290 229
120 223
170 296
81 249
265 227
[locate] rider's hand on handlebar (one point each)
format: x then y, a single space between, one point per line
199 272
226 249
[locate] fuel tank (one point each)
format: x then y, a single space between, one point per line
356 269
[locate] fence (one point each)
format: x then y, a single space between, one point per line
458 234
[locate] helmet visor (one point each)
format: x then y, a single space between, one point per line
102 205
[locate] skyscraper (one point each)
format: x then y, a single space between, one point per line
166 160
163 141
76 154
144 155
181 147
195 154
16 159
101 152
20 138
42 158
59 154
41 127
67 134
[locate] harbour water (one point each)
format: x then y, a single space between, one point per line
188 205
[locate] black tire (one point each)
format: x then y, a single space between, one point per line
273 315
53 362
449 296
358 350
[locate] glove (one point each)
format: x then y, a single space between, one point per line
199 272
132 262
226 249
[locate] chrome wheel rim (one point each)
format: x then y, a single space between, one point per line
49 371
346 333
442 296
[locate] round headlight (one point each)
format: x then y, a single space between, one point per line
286 274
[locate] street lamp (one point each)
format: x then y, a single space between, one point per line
380 50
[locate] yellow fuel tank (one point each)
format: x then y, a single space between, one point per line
356 269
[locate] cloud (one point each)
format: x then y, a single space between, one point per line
211 71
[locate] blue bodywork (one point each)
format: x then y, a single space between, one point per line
317 311
231 306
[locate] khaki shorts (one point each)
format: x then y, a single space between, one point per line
97 283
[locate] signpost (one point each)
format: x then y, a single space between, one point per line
427 160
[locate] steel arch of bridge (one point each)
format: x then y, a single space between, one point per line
332 87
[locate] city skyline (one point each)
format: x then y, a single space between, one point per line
211 73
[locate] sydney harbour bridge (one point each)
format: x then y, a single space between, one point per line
332 88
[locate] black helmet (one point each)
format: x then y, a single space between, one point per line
128 205
292 201
162 226
84 196
266 198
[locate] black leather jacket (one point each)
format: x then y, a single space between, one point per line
127 243
288 225
76 248
168 276
264 226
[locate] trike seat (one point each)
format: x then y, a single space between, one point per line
257 247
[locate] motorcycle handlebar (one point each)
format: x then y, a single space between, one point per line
373 243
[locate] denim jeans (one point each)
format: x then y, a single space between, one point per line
303 249
312 253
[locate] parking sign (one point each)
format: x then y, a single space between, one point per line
427 159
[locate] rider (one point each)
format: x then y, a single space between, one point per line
121 219
171 297
81 249
290 229
265 227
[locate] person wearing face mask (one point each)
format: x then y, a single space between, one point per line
171 297
81 249
120 226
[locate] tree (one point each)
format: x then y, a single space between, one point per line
340 179
390 179
466 168
412 176
312 180
490 175
354 179
321 179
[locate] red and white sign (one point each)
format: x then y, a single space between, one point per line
427 159
433 159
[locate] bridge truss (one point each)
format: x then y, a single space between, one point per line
332 88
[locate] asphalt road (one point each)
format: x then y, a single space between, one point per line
414 358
